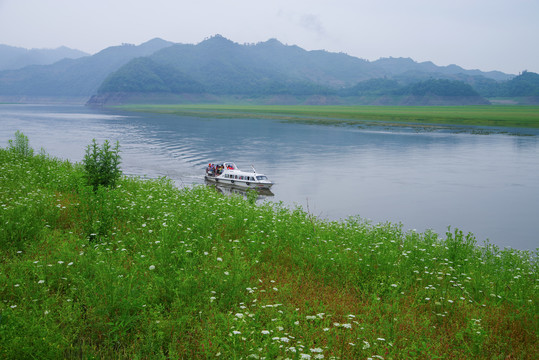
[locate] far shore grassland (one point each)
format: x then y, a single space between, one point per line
491 115
144 270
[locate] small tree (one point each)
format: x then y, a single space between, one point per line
102 164
20 145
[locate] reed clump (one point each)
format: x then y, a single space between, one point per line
147 270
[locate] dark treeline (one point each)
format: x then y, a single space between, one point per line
145 76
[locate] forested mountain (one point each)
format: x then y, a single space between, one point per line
145 75
438 87
12 58
218 68
526 84
222 67
225 67
379 86
73 77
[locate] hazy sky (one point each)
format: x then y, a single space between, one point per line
475 34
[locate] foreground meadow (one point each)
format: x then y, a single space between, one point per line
145 270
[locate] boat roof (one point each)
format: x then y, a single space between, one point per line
226 164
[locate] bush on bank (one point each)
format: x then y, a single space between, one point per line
146 270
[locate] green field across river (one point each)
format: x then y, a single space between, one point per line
504 116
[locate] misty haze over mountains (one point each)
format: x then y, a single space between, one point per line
12 58
270 72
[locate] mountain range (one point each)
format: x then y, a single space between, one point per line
218 69
73 77
12 58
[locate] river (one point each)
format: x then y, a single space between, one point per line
484 184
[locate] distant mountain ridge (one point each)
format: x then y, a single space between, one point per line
12 58
218 68
73 77
399 66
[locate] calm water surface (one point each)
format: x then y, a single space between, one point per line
484 184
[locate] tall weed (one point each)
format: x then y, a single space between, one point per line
102 164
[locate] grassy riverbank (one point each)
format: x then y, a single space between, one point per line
149 271
504 116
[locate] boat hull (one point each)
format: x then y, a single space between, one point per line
239 183
231 189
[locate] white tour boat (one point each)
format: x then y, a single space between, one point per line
228 173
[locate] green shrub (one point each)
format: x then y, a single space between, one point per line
102 164
20 145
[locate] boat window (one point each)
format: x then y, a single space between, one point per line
261 177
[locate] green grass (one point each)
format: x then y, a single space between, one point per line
149 271
503 116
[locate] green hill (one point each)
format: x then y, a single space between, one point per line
526 84
145 75
269 69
